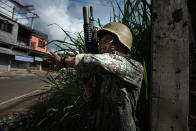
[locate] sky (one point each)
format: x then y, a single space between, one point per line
66 13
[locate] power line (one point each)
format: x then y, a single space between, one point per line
33 13
5 9
6 4
5 14
9 11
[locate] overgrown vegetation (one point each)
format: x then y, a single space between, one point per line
65 108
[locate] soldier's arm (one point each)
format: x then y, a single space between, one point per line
131 72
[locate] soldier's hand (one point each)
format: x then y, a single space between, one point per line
55 60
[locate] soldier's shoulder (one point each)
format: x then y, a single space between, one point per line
135 63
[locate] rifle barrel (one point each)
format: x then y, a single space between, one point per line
86 15
91 13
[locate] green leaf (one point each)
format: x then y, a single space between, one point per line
75 115
66 32
52 110
68 107
63 42
146 82
135 119
76 100
65 115
51 78
118 7
114 14
99 23
43 120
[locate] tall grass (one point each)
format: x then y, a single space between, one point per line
64 107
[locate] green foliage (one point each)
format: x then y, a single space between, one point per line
64 108
99 23
146 82
73 43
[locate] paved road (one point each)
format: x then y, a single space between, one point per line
12 87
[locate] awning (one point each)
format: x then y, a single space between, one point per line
6 51
20 53
38 59
24 58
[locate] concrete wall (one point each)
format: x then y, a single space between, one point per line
35 42
7 37
192 58
13 39
170 66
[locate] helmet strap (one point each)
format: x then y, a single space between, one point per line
114 51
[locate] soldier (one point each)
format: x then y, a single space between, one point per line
115 81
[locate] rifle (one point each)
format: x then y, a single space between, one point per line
90 31
91 42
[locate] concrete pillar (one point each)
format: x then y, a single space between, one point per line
32 22
170 66
9 63
13 13
40 66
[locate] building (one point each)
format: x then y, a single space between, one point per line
21 47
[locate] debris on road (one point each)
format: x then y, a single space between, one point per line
17 121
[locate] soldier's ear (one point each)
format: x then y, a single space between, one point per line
121 48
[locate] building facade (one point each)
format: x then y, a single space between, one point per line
21 47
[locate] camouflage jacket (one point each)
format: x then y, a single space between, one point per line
115 89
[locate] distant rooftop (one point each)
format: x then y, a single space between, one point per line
3 15
42 35
34 31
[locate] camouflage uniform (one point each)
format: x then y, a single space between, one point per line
115 89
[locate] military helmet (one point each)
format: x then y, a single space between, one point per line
120 30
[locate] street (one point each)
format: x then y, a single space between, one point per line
15 86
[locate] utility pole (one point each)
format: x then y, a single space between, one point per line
13 13
32 22
27 9
170 66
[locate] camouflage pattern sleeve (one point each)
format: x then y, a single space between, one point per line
130 71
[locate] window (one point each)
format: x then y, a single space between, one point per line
41 44
6 26
33 44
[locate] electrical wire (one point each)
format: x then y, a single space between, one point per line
5 9
5 14
25 17
8 11
6 4
12 7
